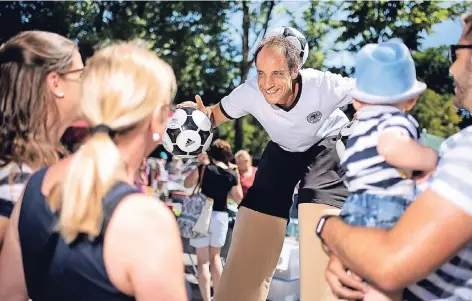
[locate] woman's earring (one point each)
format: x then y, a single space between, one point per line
60 95
156 137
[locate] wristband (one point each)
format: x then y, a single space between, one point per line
321 224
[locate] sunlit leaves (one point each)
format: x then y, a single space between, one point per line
436 114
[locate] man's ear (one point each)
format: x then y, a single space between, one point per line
294 72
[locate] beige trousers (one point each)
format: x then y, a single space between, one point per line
313 260
253 256
255 250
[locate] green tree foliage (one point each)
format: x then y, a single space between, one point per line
255 137
436 114
375 21
432 67
317 22
191 36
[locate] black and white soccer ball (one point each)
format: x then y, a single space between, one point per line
188 133
295 37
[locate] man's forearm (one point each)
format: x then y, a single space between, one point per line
216 115
212 116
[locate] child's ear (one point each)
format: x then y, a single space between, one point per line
356 104
410 104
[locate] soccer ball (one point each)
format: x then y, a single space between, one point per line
188 134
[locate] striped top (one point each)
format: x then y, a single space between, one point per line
453 280
366 170
12 181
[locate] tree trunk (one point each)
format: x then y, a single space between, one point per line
244 70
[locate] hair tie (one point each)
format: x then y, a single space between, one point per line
102 128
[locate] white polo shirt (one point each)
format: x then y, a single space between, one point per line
306 122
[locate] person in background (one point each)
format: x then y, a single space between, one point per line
219 179
39 86
82 231
247 172
163 179
142 176
163 158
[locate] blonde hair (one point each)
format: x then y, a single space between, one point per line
241 153
122 86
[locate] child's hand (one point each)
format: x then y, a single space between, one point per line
403 152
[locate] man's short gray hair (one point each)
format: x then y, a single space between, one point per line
288 50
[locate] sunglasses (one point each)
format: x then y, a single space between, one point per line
73 71
452 51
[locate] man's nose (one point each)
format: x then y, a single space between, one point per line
268 83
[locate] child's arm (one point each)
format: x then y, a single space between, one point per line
402 151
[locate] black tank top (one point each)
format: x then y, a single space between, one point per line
54 270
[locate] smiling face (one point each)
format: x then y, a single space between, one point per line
274 76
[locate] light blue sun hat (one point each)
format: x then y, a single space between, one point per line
386 74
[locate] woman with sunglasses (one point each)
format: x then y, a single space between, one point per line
39 85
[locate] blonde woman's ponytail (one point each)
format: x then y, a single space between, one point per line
95 168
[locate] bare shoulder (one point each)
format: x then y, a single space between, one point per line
138 212
140 240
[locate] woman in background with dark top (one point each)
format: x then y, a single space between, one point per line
82 231
39 98
220 178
